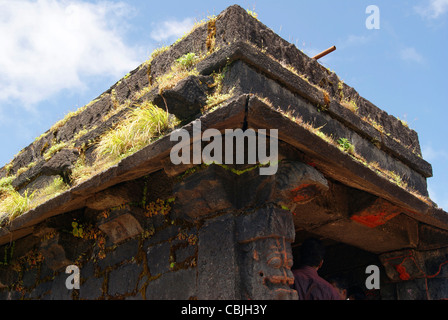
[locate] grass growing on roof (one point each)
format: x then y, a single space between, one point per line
54 149
144 124
51 190
138 130
214 100
180 69
252 13
13 204
6 186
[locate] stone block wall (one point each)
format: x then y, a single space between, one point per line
132 251
153 250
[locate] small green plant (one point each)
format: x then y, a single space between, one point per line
214 100
8 168
181 68
6 185
157 52
92 233
190 238
54 149
403 122
346 146
80 133
395 177
78 230
341 90
188 60
350 104
252 13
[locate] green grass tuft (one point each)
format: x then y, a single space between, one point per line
54 149
137 131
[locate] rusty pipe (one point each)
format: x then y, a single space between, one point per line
324 53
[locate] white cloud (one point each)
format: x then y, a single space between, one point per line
433 10
50 45
171 29
430 154
354 40
411 55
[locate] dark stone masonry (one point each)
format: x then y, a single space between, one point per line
347 173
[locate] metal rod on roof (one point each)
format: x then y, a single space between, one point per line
324 53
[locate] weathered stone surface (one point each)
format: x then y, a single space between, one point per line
61 163
266 270
162 235
173 170
115 196
435 263
54 254
91 289
265 238
42 291
411 290
377 240
124 279
350 125
209 189
59 290
403 265
29 279
377 213
158 258
437 289
38 183
431 238
121 228
264 223
217 261
336 164
298 183
178 285
241 51
8 277
125 252
187 98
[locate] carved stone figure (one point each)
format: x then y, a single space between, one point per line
265 240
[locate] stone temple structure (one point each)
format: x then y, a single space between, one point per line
139 226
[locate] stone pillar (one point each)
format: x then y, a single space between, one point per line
418 275
242 253
217 260
264 240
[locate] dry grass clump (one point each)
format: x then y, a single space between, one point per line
13 204
143 125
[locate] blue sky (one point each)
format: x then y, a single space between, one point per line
57 56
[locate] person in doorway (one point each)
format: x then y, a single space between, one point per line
308 284
356 293
340 285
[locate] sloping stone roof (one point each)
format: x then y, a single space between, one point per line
273 85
